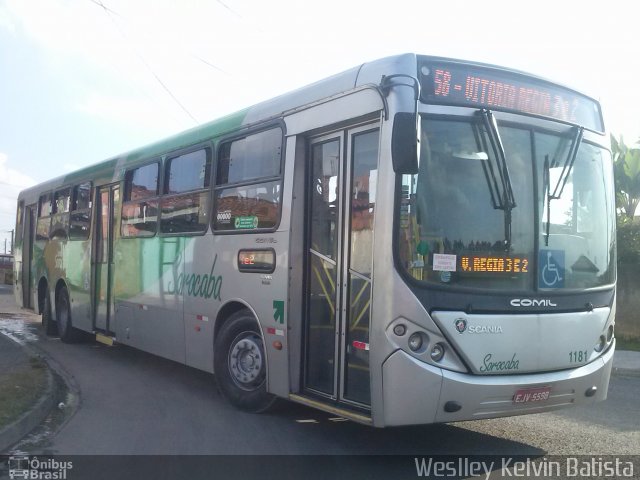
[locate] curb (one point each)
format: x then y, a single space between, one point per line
625 372
34 416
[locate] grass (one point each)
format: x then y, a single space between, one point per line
627 343
20 390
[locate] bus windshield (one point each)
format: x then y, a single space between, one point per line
528 221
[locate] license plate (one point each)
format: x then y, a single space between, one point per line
532 395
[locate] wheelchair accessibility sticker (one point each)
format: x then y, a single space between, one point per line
551 269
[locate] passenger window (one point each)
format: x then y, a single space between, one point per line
188 172
44 217
61 201
44 205
248 182
185 206
82 196
141 206
80 212
142 182
60 217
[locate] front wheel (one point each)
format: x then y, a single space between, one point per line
240 364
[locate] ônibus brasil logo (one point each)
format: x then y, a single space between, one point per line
25 467
461 325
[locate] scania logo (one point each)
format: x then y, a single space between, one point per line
532 302
461 325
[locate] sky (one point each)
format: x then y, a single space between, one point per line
84 80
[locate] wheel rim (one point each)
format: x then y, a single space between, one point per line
246 361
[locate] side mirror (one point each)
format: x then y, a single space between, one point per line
405 143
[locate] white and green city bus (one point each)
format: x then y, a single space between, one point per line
414 240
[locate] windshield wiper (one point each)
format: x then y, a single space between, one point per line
504 199
568 163
562 179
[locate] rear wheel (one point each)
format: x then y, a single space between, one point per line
49 324
68 333
240 364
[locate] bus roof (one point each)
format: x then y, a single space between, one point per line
369 73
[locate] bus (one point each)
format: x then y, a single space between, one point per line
415 240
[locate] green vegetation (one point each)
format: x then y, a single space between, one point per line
629 242
628 343
20 390
626 161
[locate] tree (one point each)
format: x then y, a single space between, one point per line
626 164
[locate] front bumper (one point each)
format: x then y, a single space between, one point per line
415 392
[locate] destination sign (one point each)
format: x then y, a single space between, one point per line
482 87
489 264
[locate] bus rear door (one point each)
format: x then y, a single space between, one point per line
27 254
108 204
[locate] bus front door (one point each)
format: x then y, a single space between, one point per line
107 202
341 206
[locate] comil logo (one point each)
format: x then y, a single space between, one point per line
532 302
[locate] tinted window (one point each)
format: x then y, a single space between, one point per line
80 212
139 219
252 157
44 205
187 172
253 161
248 207
142 182
82 196
61 200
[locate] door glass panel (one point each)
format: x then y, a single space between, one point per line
362 206
324 198
103 224
322 325
323 271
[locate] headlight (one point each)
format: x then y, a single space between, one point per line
415 342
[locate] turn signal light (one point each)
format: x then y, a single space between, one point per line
437 352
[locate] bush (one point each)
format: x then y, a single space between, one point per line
629 243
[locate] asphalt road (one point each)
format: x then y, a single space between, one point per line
131 402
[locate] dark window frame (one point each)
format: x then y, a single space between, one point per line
44 195
128 178
208 181
43 221
218 187
59 226
75 212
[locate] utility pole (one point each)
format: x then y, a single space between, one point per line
11 251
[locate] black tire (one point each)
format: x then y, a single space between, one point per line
48 322
240 364
68 334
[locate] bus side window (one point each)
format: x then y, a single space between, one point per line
44 217
80 212
60 217
185 204
249 182
140 206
